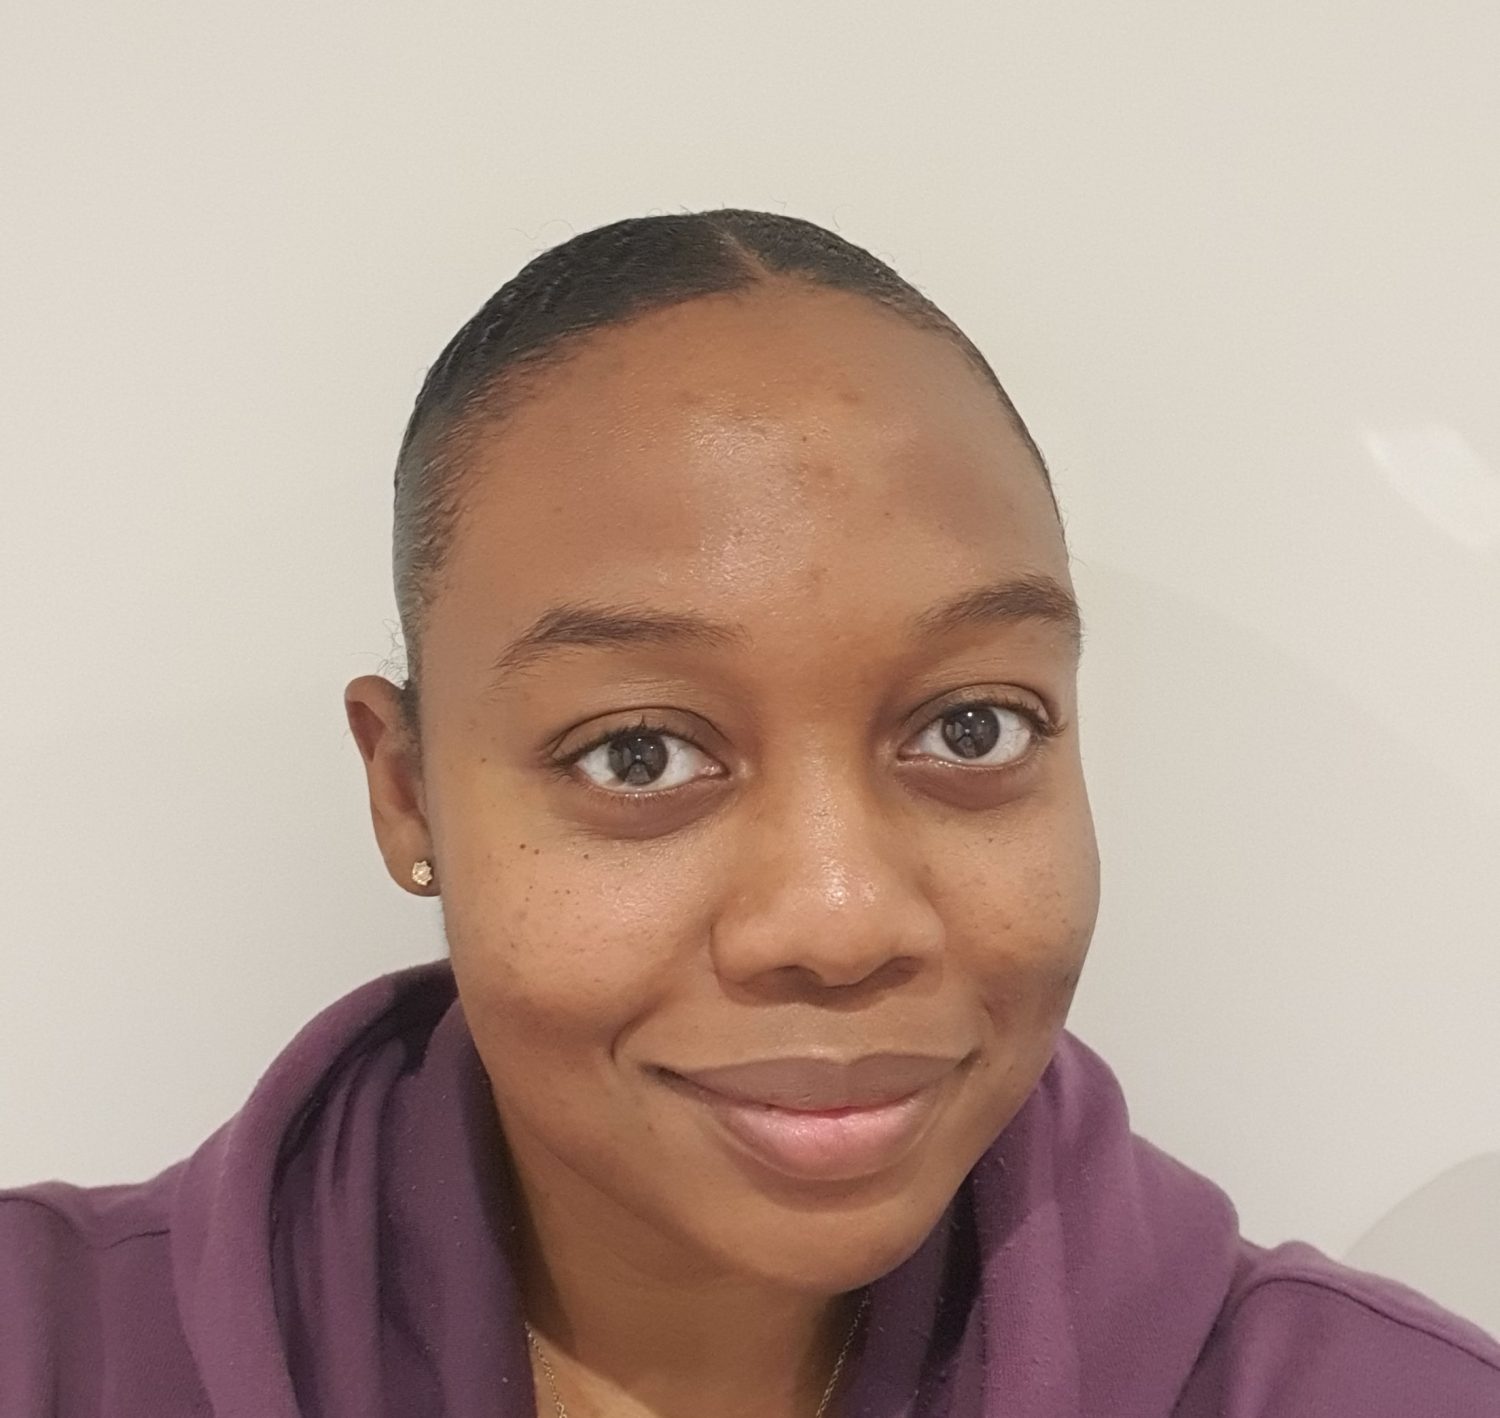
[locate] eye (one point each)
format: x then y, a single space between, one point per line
983 733
640 759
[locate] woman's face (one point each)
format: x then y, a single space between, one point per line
737 535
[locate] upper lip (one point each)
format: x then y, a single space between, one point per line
816 1083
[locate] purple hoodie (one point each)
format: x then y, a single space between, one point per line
332 1252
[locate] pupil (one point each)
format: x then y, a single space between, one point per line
637 757
972 732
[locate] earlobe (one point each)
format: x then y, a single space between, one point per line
377 721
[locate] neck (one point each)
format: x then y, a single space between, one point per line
633 1331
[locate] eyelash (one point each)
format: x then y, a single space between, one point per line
1042 726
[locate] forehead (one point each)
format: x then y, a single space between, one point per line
739 454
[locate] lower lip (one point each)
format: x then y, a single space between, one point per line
840 1145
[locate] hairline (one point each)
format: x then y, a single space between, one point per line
449 433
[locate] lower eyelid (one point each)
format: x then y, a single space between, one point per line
649 797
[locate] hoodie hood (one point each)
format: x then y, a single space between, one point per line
337 1247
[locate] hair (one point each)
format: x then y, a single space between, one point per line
601 278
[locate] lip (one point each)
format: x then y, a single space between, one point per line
825 1145
822 1083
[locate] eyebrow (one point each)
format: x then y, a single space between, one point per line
1036 597
593 625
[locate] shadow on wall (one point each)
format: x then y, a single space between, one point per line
1444 1240
1294 969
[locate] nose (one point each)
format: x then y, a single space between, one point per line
827 882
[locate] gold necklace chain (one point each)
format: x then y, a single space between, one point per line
833 1379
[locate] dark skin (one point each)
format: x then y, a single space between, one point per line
812 865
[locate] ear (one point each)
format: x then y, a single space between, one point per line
397 801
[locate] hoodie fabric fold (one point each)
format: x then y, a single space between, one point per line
337 1250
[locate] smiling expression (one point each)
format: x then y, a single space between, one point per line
749 732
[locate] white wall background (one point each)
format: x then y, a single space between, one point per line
1237 264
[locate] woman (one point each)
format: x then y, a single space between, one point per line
740 743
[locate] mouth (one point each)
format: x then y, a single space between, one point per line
817 1144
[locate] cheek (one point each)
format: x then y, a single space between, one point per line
1021 902
560 952
565 946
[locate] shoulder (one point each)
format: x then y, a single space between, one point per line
88 1317
1300 1333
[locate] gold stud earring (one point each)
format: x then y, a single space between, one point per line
421 873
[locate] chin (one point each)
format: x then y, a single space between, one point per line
836 1246
803 1226
847 1260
